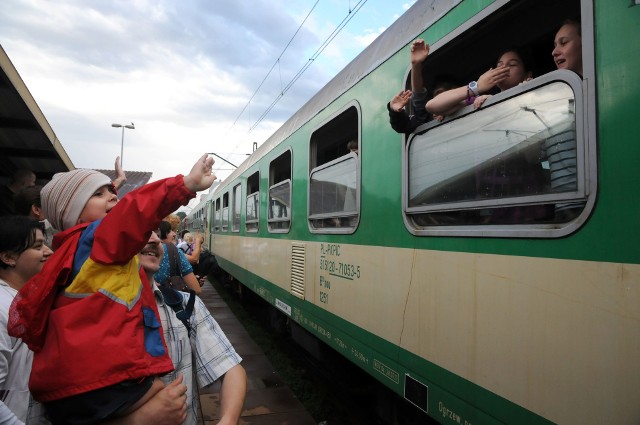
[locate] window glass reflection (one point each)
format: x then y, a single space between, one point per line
516 150
280 204
333 189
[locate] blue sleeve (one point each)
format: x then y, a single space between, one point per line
184 263
163 272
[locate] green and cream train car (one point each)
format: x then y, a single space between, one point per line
445 263
199 218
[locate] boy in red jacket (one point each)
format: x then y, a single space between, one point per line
90 317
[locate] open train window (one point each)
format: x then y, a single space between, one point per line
280 193
237 208
225 212
518 161
524 164
464 54
334 173
252 218
216 216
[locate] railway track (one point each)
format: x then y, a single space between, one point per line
332 389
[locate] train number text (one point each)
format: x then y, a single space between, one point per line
330 249
324 297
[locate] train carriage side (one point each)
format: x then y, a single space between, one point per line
199 218
459 298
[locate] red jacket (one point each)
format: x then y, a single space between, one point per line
90 316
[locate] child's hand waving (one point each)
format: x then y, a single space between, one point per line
201 176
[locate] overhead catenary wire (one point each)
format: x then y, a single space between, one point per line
351 13
313 57
274 64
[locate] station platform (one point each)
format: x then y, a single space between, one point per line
268 401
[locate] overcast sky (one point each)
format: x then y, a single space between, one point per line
181 70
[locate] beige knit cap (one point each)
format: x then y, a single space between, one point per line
65 196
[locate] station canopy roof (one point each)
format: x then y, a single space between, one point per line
135 179
26 138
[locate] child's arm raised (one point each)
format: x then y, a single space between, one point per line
125 230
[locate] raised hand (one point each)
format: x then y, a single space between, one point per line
400 100
121 177
201 176
419 51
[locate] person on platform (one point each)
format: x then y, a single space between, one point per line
21 178
82 371
201 350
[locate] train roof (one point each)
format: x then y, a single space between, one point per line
26 138
414 21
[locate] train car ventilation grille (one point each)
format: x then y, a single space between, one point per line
297 269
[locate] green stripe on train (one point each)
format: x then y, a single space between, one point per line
389 364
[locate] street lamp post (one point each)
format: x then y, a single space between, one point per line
129 126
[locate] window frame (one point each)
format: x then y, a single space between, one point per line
341 229
236 216
288 181
225 213
312 158
252 225
586 173
217 215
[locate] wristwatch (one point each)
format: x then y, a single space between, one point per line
473 86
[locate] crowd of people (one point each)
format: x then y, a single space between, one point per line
96 290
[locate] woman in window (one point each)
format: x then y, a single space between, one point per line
560 149
567 47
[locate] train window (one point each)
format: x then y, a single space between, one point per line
252 217
225 212
523 165
216 216
332 198
237 208
516 161
334 173
279 210
205 218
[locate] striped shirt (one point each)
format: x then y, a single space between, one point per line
16 404
560 151
208 355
